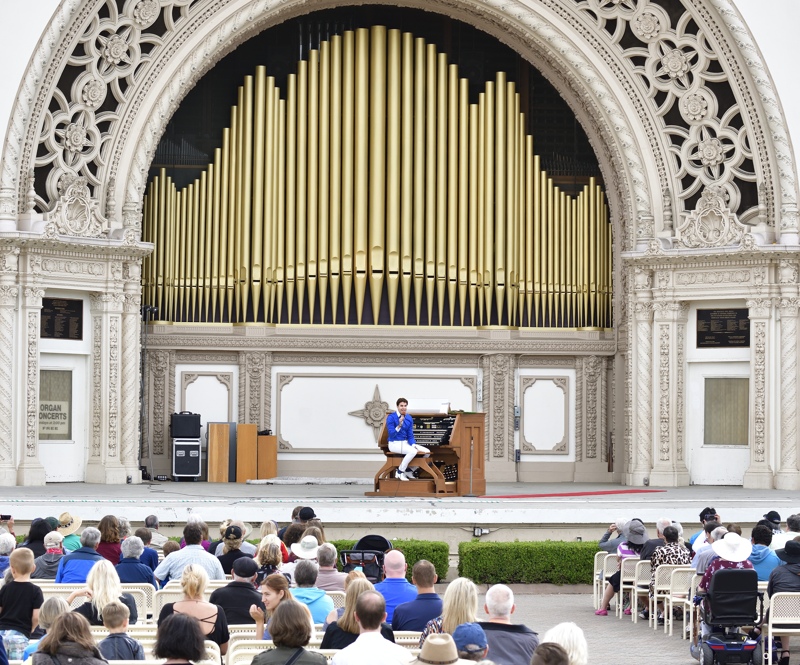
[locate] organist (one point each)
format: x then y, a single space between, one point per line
400 429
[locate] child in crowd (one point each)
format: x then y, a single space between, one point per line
149 556
550 653
51 609
119 645
168 548
20 599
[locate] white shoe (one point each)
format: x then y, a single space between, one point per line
400 475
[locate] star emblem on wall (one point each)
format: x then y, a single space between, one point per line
373 413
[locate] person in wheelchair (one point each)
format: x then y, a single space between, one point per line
733 552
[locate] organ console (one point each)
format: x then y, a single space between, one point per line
455 466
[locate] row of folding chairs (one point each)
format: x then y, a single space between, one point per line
242 652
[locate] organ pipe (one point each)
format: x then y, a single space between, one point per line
374 191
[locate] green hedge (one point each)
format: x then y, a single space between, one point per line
548 561
434 551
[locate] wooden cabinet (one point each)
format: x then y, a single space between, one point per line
267 457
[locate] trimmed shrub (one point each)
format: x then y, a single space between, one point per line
549 561
434 551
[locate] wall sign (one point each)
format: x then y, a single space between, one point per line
54 419
62 319
720 328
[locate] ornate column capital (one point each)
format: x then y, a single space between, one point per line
760 308
8 295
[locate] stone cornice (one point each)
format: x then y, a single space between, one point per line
726 257
76 247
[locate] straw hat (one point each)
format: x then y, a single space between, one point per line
68 524
440 649
306 548
732 547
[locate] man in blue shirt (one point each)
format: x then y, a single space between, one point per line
395 588
400 428
74 568
415 614
130 569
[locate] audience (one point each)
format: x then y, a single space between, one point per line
74 567
51 609
610 542
7 545
236 597
193 553
46 566
344 631
290 632
706 554
303 550
102 587
650 546
550 653
68 524
471 642
157 539
779 540
318 602
336 613
20 599
370 647
415 614
508 643
179 639
672 553
274 591
459 605
774 519
706 515
124 529
244 546
109 547
572 639
328 578
149 556
39 528
69 640
194 518
785 578
131 569
213 623
119 645
764 560
395 588
231 548
635 538
732 552
269 557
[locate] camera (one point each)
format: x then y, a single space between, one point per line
5 518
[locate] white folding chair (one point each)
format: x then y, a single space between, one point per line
661 590
784 619
682 588
598 578
641 587
627 583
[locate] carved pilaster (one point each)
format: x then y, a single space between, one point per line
758 474
9 293
254 388
642 388
787 476
669 468
129 380
498 400
592 377
30 471
158 363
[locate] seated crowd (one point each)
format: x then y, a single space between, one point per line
279 586
772 553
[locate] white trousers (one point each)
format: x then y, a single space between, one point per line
410 452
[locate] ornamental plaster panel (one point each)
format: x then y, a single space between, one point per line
225 378
561 384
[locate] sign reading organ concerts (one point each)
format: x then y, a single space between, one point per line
54 419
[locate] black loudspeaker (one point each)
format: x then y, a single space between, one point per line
184 425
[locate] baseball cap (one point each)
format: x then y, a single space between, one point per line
245 566
469 637
233 531
773 516
53 540
306 514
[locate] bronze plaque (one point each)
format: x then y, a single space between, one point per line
717 328
62 319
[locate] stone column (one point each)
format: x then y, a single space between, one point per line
759 475
788 477
641 359
30 470
9 295
498 402
669 466
104 464
131 328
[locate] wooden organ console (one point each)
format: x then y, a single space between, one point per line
455 441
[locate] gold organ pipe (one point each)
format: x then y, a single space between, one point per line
377 169
430 178
501 200
302 189
335 174
474 207
452 190
323 169
420 198
348 168
261 200
407 177
290 247
393 172
377 166
312 161
362 132
441 219
464 169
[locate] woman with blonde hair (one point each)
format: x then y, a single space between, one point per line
459 605
102 587
336 613
269 528
70 637
213 622
51 609
269 557
344 631
571 637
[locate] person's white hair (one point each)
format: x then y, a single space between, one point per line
499 601
90 537
193 518
104 584
132 547
326 555
662 523
571 637
718 533
7 544
620 523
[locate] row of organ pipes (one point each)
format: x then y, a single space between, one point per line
375 192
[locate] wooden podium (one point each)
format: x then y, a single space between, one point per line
455 466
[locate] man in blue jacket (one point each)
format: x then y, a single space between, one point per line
74 568
400 428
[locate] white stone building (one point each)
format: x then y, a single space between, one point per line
690 107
